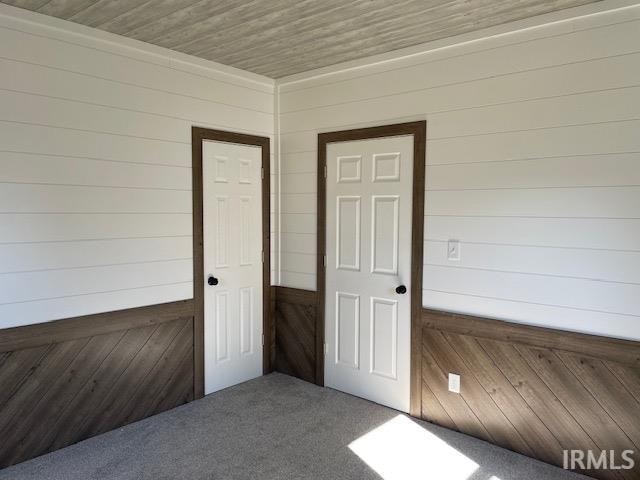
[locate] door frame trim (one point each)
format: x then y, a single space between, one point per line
199 134
419 131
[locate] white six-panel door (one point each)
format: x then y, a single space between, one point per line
368 245
232 227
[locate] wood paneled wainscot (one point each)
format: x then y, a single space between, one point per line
296 332
68 380
533 390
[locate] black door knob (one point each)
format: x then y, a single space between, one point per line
401 289
212 280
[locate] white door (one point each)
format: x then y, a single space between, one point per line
368 245
232 234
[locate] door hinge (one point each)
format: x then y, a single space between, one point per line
324 261
263 256
325 348
263 339
325 171
262 172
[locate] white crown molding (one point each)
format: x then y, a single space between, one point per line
424 49
64 30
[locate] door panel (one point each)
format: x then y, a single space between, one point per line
347 329
384 234
348 233
232 206
384 332
245 230
368 238
246 319
222 330
221 219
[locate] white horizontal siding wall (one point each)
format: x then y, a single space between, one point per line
95 165
533 163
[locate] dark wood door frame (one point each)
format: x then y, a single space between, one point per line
419 132
197 136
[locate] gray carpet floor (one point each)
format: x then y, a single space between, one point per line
278 427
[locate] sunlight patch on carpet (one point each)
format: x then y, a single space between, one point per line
400 449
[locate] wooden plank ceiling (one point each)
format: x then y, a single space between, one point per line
277 38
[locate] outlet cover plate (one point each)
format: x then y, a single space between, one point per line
454 383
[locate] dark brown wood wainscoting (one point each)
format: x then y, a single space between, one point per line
68 380
296 323
536 391
533 390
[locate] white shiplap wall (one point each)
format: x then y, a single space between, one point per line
95 165
533 162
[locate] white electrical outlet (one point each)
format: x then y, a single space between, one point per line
453 250
454 383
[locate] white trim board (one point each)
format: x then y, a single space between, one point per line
417 53
45 25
